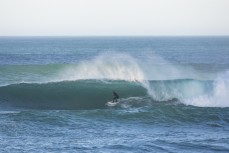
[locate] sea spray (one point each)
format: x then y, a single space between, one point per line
218 97
113 66
164 90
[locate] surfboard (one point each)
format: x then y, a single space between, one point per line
112 104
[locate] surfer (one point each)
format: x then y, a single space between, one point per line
115 97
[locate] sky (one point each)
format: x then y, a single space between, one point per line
113 17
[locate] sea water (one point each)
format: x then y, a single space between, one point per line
174 94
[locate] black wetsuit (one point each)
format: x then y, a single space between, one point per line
116 97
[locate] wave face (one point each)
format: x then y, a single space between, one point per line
93 94
81 94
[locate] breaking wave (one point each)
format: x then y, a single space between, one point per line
89 85
93 94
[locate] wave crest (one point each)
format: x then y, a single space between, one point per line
107 66
218 97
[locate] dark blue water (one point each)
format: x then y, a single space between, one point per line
174 94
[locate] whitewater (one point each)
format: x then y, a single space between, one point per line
174 94
114 71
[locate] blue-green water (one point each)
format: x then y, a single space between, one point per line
174 94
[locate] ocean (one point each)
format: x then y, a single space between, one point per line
174 94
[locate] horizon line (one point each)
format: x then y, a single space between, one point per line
114 35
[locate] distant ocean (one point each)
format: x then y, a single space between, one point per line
174 94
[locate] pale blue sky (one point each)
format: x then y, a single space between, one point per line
114 17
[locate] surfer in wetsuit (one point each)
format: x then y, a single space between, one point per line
115 97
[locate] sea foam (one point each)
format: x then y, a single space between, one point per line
218 97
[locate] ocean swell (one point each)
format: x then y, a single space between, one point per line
81 94
93 94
